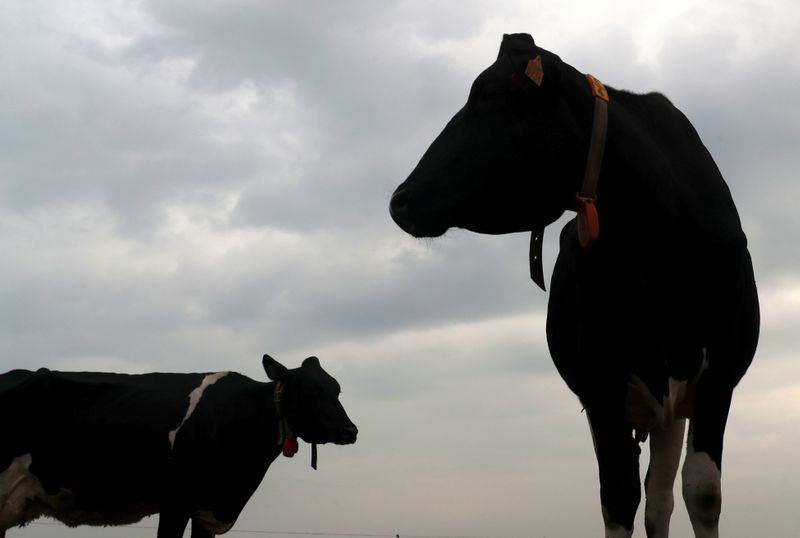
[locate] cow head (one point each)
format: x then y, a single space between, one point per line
512 158
310 402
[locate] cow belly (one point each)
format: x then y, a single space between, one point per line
23 498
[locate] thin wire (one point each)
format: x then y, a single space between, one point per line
298 533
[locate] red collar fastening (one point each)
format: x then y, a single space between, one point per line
588 221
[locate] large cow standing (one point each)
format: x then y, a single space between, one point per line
653 314
109 449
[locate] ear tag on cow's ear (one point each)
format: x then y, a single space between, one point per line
534 70
290 446
588 222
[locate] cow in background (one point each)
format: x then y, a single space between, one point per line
109 449
653 316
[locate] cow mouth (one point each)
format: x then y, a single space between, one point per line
415 222
346 436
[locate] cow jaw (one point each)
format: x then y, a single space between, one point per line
415 212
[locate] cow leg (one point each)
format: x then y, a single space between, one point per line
665 454
618 462
702 469
199 531
171 524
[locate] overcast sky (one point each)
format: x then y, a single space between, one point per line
186 185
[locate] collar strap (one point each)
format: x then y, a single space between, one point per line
285 435
277 395
287 440
597 143
588 221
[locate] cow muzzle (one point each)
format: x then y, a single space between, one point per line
347 435
414 220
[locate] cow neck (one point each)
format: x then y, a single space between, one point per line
584 204
287 440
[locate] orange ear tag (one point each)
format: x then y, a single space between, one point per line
534 70
588 223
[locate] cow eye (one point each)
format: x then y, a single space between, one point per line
491 92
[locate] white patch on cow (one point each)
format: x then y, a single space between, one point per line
210 523
17 487
648 413
194 399
666 446
614 530
702 492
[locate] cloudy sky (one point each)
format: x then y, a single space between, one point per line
185 186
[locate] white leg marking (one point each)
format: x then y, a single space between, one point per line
194 399
666 445
702 492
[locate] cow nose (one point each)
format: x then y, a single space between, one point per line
400 210
348 434
398 206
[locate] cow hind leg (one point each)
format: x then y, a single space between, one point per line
618 464
665 454
702 469
171 524
702 490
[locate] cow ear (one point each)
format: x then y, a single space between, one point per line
275 370
312 361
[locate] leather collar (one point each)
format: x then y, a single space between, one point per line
584 205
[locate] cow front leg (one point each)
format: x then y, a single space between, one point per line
618 464
665 454
171 524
